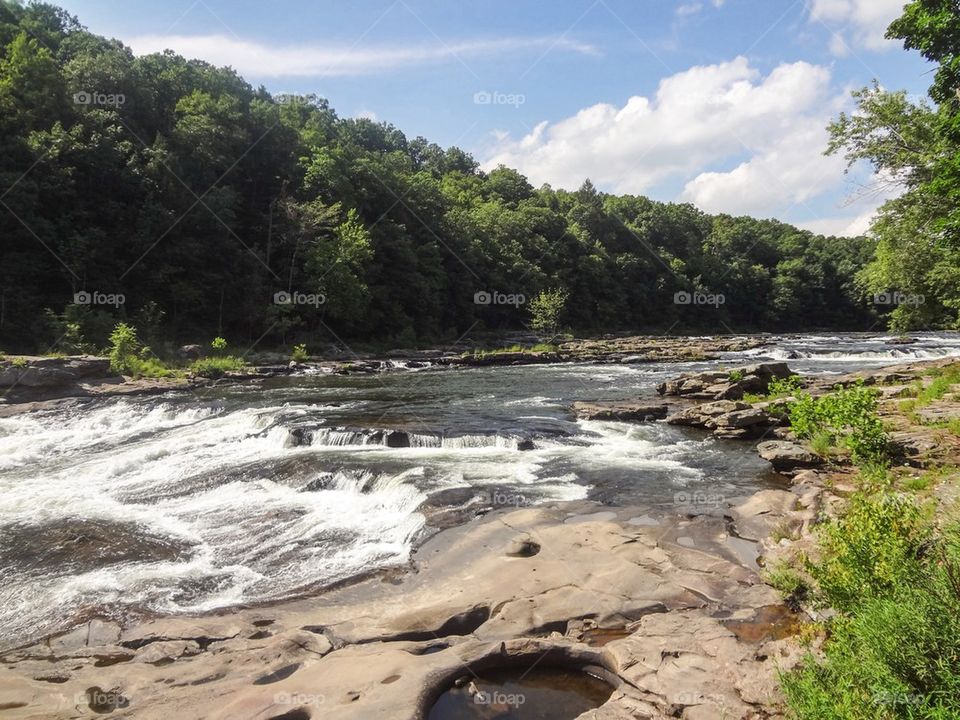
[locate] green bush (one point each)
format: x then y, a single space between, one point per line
783 387
871 549
300 353
894 649
124 349
218 345
217 367
786 579
845 417
896 656
129 357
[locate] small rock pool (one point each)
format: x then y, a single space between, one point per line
523 693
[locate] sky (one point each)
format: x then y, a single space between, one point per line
722 103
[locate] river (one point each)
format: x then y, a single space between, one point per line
255 492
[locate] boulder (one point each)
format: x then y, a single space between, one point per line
742 419
702 415
725 384
190 352
787 456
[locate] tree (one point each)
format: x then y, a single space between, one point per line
546 309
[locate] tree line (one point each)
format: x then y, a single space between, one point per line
173 195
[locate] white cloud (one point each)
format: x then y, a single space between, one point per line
260 60
856 23
840 225
688 9
771 127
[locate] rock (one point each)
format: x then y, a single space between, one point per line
102 632
166 651
700 415
725 384
396 439
763 512
622 411
190 352
742 418
787 456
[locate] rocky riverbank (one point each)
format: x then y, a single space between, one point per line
670 608
29 379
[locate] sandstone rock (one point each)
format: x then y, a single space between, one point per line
166 651
742 418
701 415
725 384
786 456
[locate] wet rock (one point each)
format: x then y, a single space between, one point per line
396 439
621 411
786 456
727 419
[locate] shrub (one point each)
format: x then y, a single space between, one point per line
735 375
19 362
783 387
124 348
846 417
786 579
218 344
129 357
546 310
896 657
870 550
300 353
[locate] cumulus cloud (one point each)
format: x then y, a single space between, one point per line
741 142
261 60
856 23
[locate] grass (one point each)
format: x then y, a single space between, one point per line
217 367
786 579
151 367
822 444
538 348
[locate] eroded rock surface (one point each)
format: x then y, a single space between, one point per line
548 579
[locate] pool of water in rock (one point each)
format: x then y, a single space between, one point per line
536 693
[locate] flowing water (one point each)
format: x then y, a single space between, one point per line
190 502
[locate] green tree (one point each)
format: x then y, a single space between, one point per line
546 310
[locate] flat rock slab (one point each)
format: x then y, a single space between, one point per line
514 582
786 456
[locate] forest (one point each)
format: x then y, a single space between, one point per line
173 195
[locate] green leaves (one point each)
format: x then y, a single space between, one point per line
847 416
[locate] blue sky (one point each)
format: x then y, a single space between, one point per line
717 102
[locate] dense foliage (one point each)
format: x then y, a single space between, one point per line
915 147
891 570
174 196
847 417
